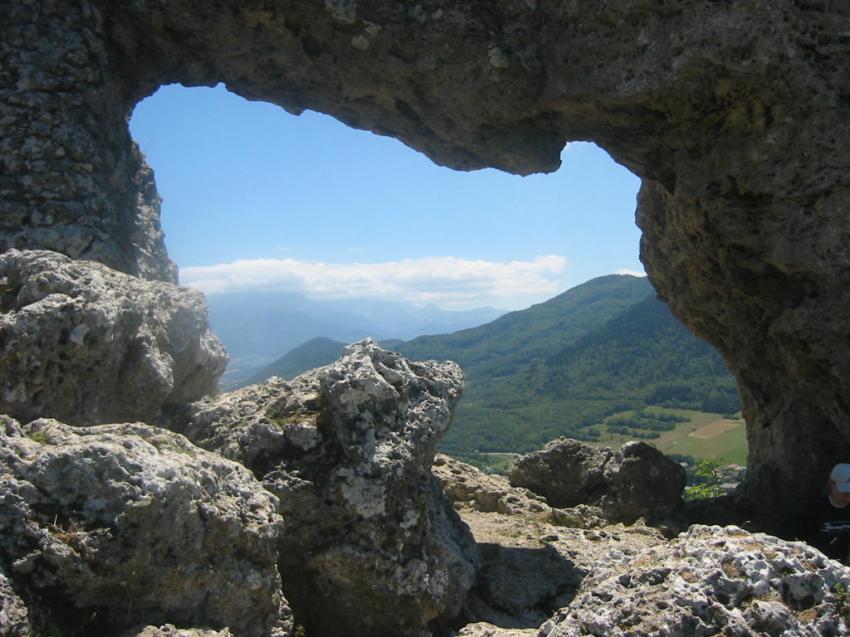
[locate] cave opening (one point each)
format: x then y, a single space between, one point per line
293 224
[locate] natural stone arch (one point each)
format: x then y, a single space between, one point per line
733 115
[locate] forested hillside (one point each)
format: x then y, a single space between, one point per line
561 367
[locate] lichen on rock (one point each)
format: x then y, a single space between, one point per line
709 581
86 344
369 536
113 526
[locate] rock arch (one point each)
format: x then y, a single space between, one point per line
734 115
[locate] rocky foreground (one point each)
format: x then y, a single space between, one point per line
317 507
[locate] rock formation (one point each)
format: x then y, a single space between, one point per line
635 481
734 115
623 580
86 344
369 536
109 527
710 581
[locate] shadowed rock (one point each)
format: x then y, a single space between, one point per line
370 541
86 344
635 481
109 527
14 615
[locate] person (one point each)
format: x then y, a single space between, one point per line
828 516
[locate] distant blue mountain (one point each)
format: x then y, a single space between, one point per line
259 327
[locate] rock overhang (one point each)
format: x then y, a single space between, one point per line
733 115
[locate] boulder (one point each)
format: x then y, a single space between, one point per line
566 472
370 539
115 526
88 345
710 581
635 481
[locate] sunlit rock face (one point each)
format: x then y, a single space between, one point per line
709 581
370 541
89 345
110 528
735 116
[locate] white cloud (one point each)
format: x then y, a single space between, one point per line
448 282
640 273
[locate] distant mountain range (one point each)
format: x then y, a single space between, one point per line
258 327
560 367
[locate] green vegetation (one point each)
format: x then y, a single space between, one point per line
841 594
314 353
605 349
706 481
40 437
604 362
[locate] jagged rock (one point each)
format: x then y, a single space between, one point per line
635 481
369 537
566 472
483 629
14 615
115 526
743 160
86 344
533 557
169 630
468 487
710 581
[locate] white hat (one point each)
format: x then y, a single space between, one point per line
840 475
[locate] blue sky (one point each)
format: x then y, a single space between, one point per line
254 197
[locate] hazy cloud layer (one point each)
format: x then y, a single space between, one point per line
444 281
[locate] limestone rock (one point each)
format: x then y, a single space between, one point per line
169 630
369 537
86 344
635 481
710 581
533 557
743 160
469 488
566 472
14 615
483 629
641 482
114 526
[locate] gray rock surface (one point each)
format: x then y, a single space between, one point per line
169 630
710 581
733 114
115 526
483 629
533 557
370 539
86 344
14 615
469 488
635 481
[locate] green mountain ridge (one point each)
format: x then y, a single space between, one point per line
561 367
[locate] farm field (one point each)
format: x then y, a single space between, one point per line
702 435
